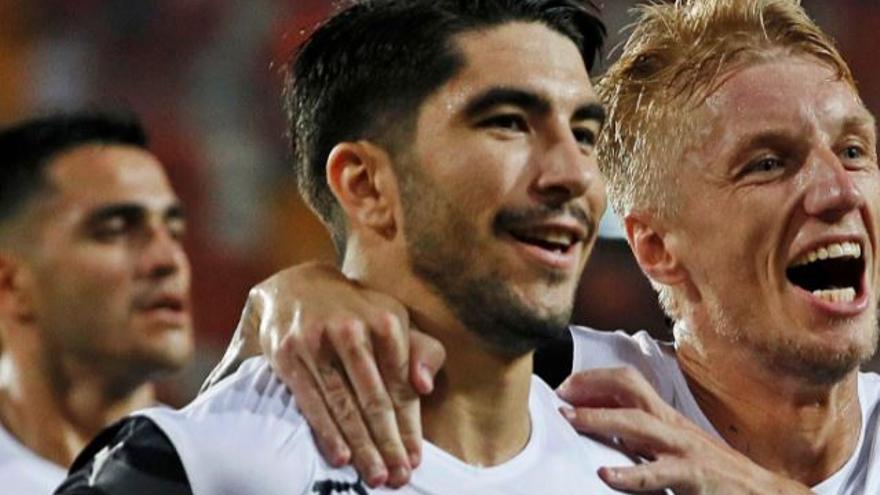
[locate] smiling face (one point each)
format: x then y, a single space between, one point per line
778 230
110 280
501 190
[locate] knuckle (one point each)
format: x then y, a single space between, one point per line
387 325
377 406
349 331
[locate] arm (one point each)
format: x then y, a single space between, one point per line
620 406
348 355
131 457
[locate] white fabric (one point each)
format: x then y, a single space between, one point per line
23 472
657 362
245 436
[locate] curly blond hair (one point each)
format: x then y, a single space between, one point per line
676 56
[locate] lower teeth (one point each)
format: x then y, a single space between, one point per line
836 295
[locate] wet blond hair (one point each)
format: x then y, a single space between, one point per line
676 56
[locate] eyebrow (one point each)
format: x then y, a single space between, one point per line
528 101
132 211
498 96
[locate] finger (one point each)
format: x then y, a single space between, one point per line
343 406
330 441
353 347
613 387
633 430
391 342
427 356
649 477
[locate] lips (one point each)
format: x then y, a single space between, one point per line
832 274
170 308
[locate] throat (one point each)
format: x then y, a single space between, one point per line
806 437
481 419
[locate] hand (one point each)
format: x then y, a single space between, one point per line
355 367
621 407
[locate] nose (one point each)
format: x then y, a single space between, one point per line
831 191
566 170
162 254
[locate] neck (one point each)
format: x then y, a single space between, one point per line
56 416
479 409
801 430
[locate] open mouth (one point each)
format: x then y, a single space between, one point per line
548 238
832 272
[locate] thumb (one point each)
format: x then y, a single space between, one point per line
427 356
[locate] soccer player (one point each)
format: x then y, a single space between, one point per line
94 299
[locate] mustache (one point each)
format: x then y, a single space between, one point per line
513 218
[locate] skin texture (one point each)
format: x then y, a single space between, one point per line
95 301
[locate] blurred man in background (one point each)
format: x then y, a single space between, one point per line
94 288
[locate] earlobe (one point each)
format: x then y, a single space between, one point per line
358 175
654 249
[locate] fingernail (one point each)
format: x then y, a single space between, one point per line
376 475
427 378
415 458
341 456
399 473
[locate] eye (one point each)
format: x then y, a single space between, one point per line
764 165
510 122
853 152
111 228
585 136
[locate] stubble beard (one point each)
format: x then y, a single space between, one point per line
808 361
443 252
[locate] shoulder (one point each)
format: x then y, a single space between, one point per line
607 349
22 471
250 409
131 456
558 437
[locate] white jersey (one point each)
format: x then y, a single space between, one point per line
656 361
23 472
246 436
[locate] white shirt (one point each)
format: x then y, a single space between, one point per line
656 361
23 472
246 436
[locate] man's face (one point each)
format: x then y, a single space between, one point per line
501 189
110 284
779 225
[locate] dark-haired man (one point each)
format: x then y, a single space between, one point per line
94 288
454 164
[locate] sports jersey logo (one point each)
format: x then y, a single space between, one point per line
329 487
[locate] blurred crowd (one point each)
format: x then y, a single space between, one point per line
205 77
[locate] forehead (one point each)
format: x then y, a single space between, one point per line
530 56
94 175
791 93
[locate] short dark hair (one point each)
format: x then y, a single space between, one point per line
28 147
366 70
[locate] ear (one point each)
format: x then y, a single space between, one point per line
361 178
13 278
654 249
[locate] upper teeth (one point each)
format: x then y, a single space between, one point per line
836 250
551 236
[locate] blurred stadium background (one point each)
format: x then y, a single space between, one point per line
204 75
